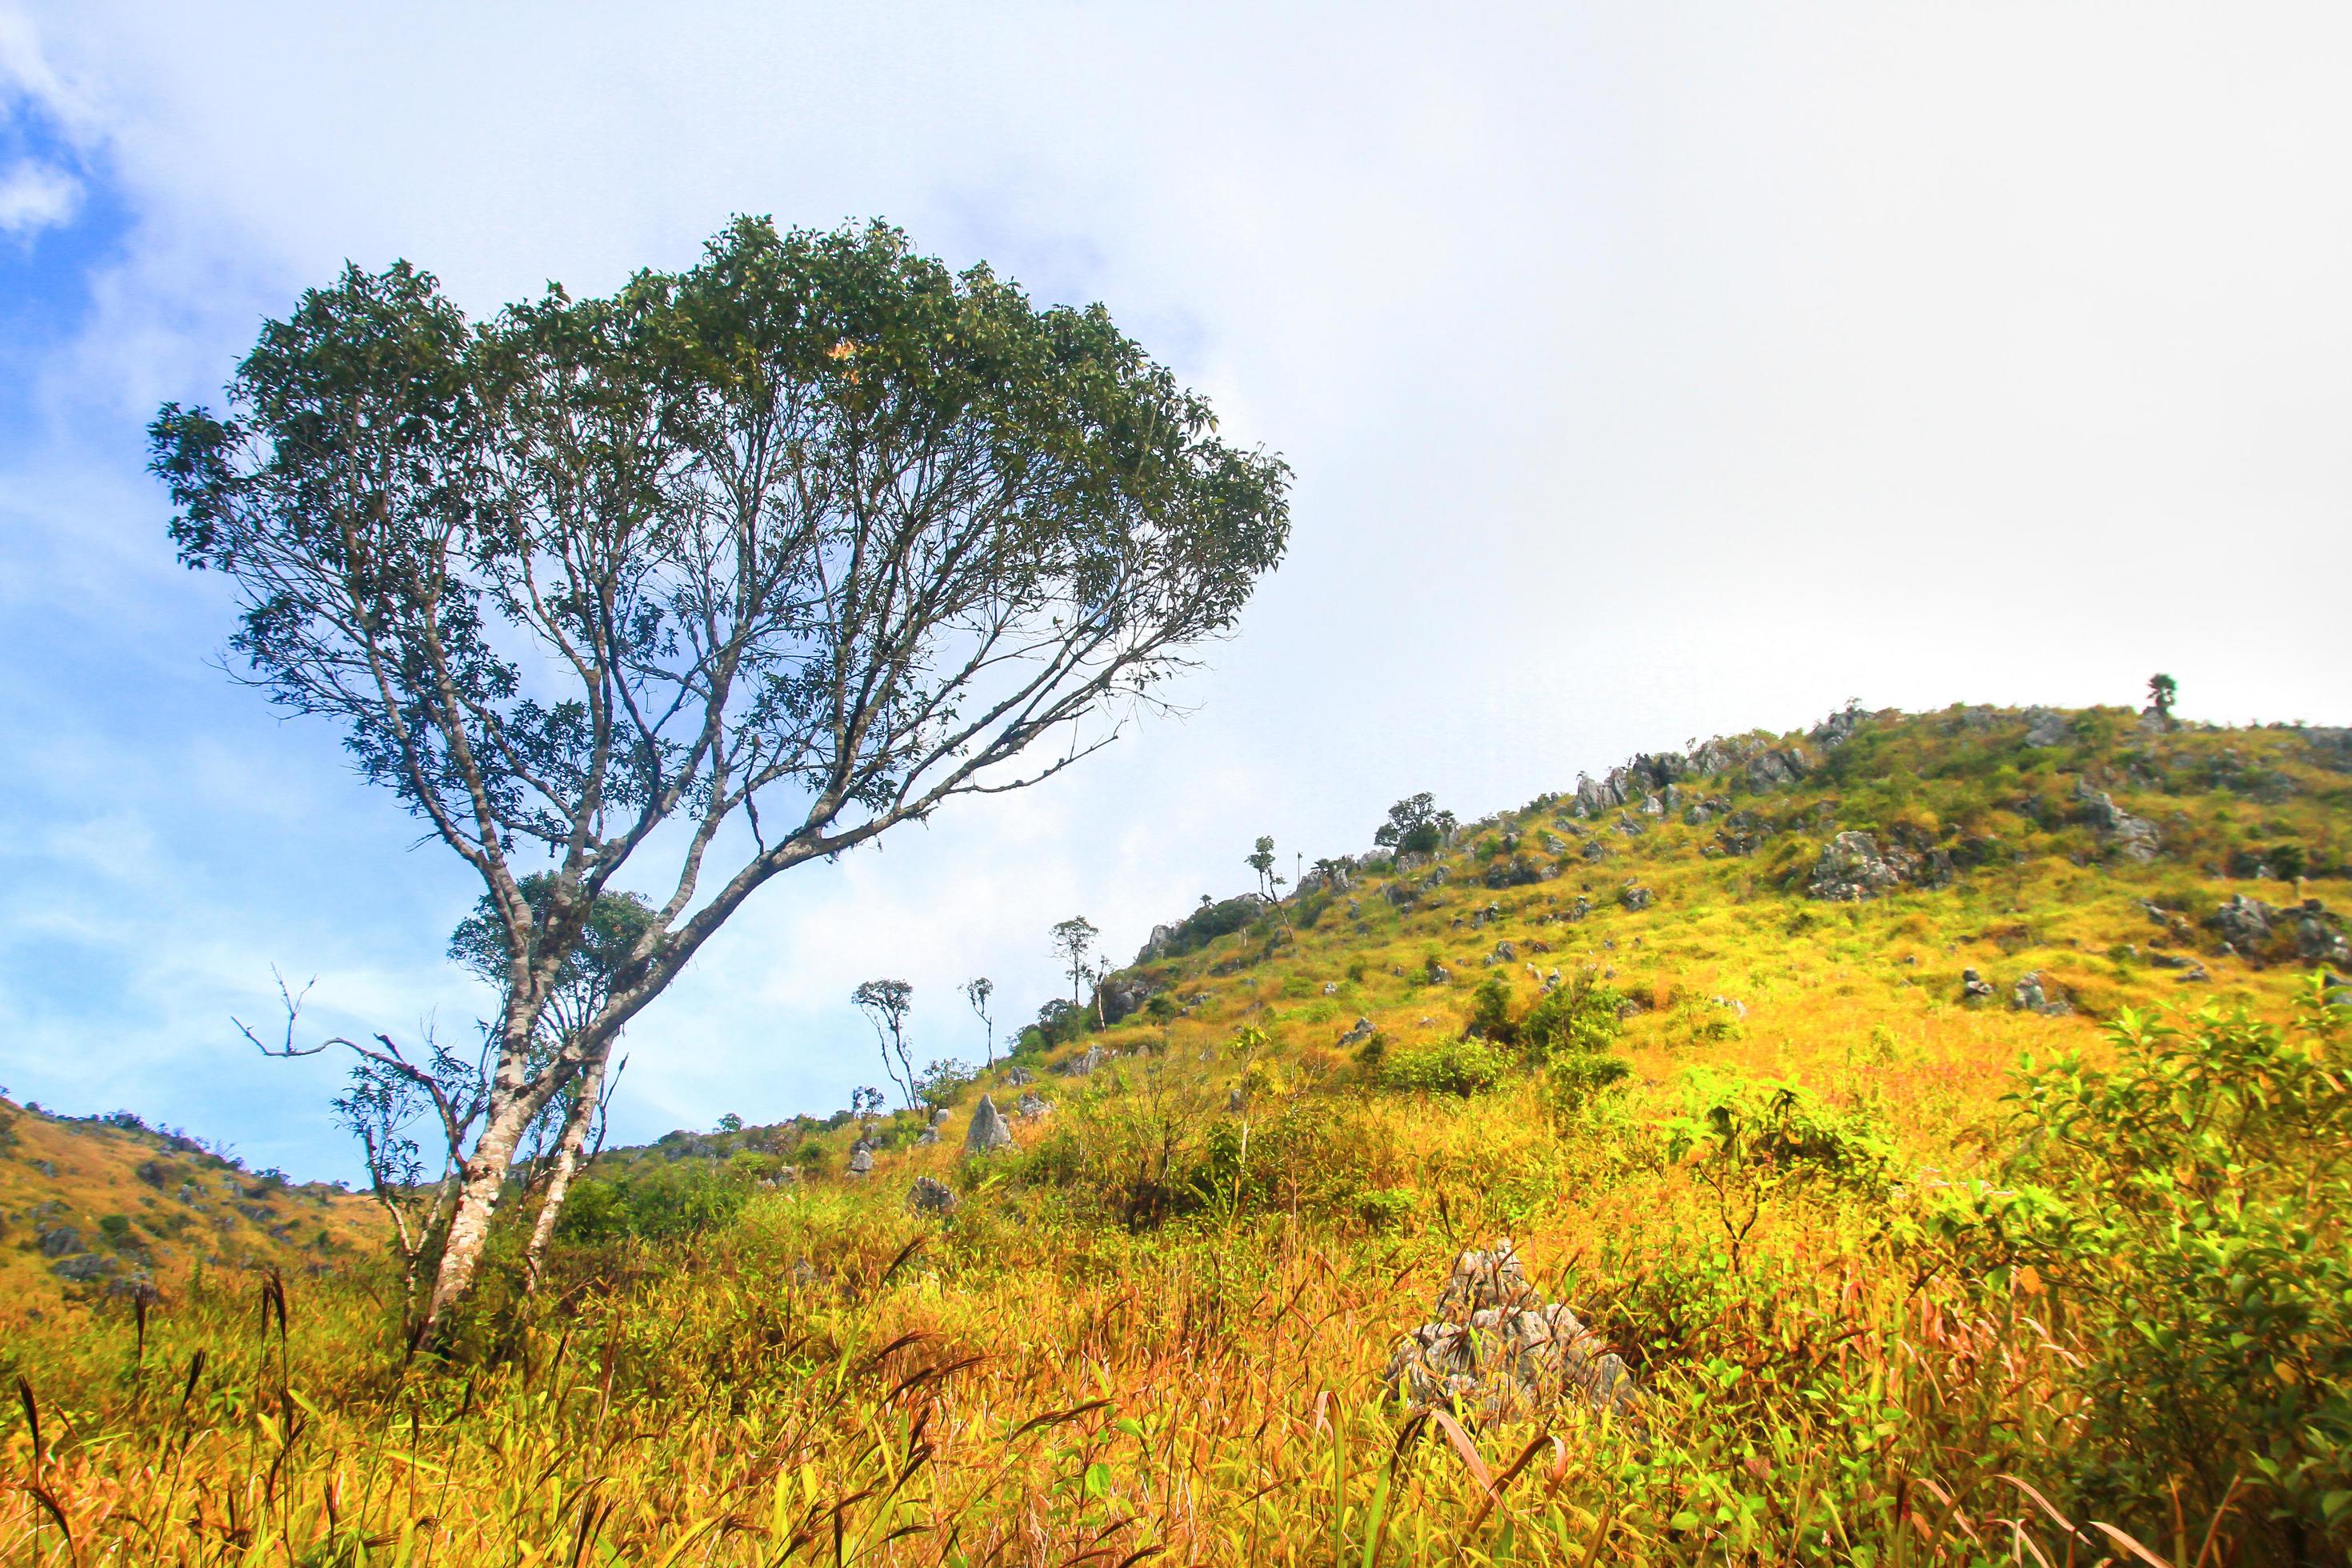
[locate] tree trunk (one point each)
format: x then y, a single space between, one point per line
567 1162
477 1200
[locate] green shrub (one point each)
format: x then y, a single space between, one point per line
2198 1190
1465 1066
1577 1018
1490 1010
677 1200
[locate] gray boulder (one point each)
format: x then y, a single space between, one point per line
2047 727
1852 867
1497 1347
61 1241
987 1132
930 1195
1020 1077
1835 730
1032 1106
83 1267
1330 988
1438 974
2133 837
1635 896
2029 995
2316 939
861 1161
1083 1065
1770 771
2243 922
1123 995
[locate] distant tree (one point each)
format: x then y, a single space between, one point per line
731 1122
2162 689
884 1003
781 551
977 992
1261 860
1074 941
865 1103
1415 826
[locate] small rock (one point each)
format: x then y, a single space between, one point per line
2243 922
1635 896
1975 987
1362 1031
2028 995
861 1161
59 1241
1497 1346
1330 988
1032 1106
930 1195
1082 1065
1020 1077
1853 867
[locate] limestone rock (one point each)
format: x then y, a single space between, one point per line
1635 896
2316 939
1123 995
1032 1106
1020 1077
1330 988
930 1195
861 1161
2243 922
2046 727
1852 867
61 1241
1498 1348
1082 1065
986 1131
1360 1032
2029 995
2133 837
1975 987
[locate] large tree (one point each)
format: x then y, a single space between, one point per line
733 570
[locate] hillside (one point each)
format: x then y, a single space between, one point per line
108 1204
1760 1154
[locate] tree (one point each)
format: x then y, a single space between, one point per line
2161 691
977 992
884 1003
1261 860
584 983
1415 826
736 569
1074 941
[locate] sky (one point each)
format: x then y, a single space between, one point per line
1648 373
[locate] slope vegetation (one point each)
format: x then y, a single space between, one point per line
1926 1138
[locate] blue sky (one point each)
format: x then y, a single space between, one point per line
1649 371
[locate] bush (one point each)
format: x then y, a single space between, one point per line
2197 1193
1465 1066
664 1202
1578 1018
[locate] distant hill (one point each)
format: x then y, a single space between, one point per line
107 1203
1933 892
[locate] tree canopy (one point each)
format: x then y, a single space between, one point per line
736 568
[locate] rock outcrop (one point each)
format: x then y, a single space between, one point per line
931 1196
2133 837
987 1132
1497 1346
1853 866
2031 996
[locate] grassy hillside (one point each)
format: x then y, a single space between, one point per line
110 1206
1815 1074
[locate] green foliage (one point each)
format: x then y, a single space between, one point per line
1415 826
1577 1017
1464 1067
680 1199
1490 1010
2199 1189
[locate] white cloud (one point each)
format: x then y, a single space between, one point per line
35 196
